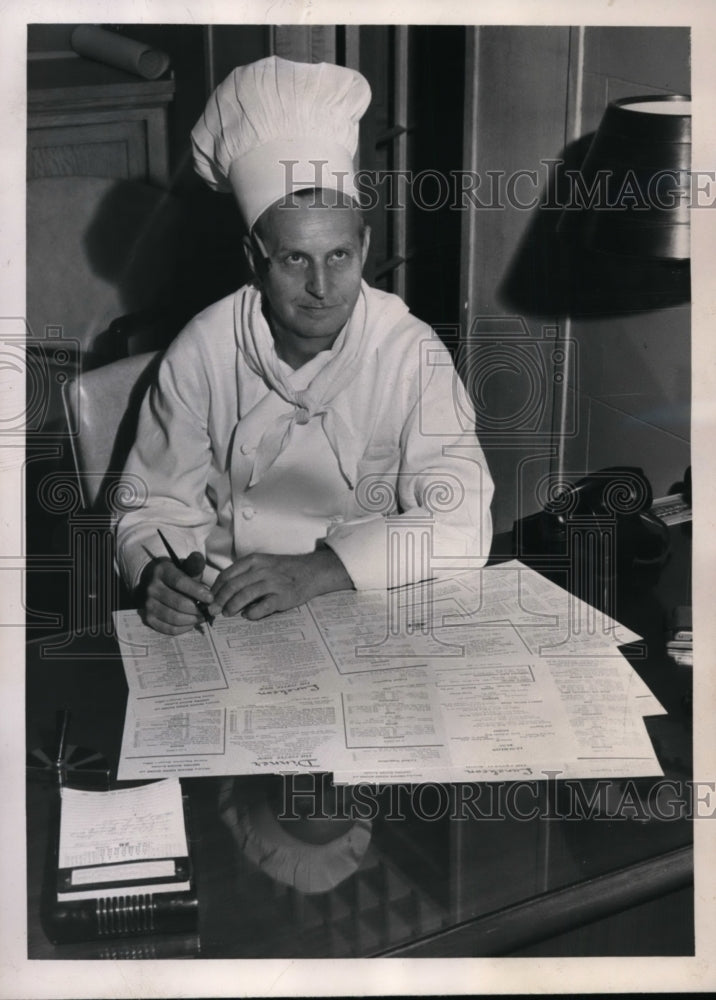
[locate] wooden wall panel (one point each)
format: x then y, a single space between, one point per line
516 87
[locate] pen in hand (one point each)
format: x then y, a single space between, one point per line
185 568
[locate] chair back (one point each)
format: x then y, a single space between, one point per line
101 408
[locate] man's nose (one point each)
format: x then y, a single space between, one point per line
316 283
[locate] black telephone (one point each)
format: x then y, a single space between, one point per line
616 500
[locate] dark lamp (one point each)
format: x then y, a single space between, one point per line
633 191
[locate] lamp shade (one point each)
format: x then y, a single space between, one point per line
632 193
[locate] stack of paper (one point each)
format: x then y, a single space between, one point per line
123 865
495 674
111 843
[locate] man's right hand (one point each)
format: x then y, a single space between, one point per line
168 595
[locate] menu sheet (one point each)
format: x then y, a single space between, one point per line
490 675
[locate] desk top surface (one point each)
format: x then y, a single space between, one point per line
440 860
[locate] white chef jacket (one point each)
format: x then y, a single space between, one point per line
417 505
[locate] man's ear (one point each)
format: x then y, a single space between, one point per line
366 245
250 252
256 255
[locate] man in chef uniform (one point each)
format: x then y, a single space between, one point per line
280 410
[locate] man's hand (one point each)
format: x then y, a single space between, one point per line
257 585
168 595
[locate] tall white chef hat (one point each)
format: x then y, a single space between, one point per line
275 126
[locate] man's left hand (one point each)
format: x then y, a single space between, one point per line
259 584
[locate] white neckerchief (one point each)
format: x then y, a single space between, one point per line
256 344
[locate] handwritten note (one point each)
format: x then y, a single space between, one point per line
127 824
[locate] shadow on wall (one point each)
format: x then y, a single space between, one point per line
628 368
121 266
551 274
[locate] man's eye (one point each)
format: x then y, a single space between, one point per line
340 255
294 258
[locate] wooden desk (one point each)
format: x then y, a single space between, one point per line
458 885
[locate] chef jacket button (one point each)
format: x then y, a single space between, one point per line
247 513
245 449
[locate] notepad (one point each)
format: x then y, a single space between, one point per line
125 841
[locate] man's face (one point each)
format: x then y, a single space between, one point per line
311 284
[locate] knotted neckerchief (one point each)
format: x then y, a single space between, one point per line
318 398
